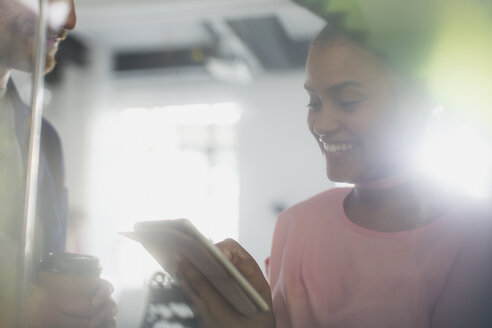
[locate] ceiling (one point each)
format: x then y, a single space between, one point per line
239 37
130 24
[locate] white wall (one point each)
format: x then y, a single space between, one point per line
280 161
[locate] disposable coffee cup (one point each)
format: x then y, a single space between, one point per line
68 274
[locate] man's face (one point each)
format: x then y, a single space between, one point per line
18 30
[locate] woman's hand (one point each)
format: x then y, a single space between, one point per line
59 311
215 311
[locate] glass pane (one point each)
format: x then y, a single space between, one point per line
24 149
169 109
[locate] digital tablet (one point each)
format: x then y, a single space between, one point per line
165 238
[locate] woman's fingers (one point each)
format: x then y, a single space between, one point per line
232 248
196 281
247 265
241 259
201 291
215 311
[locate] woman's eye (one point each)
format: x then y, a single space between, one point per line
314 106
350 105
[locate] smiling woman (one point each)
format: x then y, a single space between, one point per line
391 247
356 112
395 250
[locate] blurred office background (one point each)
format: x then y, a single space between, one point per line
196 109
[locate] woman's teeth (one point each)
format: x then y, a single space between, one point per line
332 148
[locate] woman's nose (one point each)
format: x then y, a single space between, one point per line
325 122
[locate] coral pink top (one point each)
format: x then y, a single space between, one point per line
326 271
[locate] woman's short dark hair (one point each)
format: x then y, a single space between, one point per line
331 33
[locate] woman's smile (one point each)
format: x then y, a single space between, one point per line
340 150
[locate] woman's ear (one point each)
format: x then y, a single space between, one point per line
414 106
413 98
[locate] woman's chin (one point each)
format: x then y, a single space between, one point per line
340 176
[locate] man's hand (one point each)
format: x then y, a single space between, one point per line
215 311
49 310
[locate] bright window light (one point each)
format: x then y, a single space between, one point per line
195 114
161 163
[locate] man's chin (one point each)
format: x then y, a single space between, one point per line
49 64
25 63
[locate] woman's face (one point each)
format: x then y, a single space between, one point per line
354 113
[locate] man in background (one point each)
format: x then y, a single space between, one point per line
17 35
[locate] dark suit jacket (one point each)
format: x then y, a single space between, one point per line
52 202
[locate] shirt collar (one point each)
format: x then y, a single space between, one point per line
3 91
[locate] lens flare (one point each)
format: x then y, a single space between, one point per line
456 155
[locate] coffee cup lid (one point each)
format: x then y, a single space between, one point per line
70 263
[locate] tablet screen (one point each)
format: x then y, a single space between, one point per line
165 238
